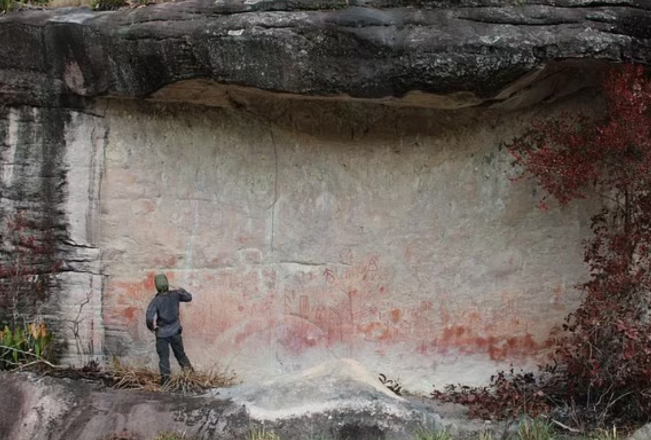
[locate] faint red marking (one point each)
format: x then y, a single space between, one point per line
351 307
559 294
130 313
296 337
445 315
498 348
329 276
240 337
346 256
304 306
370 329
166 261
474 317
243 239
371 271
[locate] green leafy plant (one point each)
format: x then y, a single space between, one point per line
107 5
170 436
535 429
443 434
5 6
485 435
20 346
27 272
607 434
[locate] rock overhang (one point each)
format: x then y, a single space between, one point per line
434 54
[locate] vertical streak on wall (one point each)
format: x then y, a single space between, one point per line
275 192
33 181
81 302
10 159
189 253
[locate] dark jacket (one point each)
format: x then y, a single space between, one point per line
165 306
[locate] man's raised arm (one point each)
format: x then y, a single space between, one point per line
184 295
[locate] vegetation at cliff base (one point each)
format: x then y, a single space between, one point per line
533 429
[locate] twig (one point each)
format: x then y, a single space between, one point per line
18 350
39 360
574 430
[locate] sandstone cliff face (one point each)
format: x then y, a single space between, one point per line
327 178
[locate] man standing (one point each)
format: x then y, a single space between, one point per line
165 306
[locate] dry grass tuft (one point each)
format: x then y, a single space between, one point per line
263 434
121 376
185 382
170 436
68 3
102 5
161 436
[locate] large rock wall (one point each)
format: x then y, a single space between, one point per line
328 178
393 236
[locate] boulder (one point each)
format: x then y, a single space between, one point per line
339 399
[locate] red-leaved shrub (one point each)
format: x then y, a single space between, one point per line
602 362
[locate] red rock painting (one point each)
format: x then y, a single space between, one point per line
321 308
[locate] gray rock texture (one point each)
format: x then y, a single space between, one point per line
643 433
337 399
340 400
39 408
49 158
368 49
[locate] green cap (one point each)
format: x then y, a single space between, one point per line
162 285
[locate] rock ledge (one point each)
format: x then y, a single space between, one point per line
476 51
